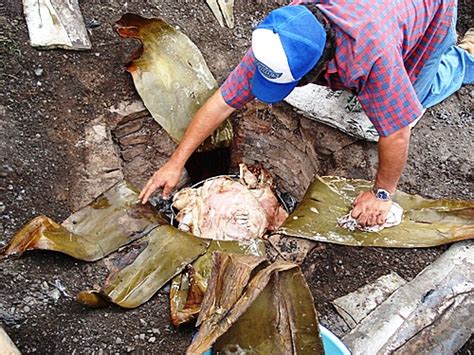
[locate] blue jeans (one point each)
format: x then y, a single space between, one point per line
445 72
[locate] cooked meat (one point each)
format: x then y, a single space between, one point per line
222 209
225 209
261 184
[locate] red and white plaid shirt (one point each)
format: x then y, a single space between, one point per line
381 46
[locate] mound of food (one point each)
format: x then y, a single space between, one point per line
224 208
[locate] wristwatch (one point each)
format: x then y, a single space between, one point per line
381 194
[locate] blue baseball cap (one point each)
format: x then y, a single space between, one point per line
286 45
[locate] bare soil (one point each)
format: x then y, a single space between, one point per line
43 114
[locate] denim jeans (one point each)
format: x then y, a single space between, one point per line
445 72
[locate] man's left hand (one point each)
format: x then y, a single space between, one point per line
369 211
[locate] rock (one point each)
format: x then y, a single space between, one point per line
142 336
38 71
152 340
118 340
92 23
54 294
44 286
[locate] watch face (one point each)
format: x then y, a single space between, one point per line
382 195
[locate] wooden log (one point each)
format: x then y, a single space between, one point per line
56 24
294 149
432 314
355 306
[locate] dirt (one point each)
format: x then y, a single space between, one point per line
50 96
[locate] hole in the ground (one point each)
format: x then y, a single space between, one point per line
294 149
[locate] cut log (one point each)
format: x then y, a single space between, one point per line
355 306
432 314
339 109
294 149
56 24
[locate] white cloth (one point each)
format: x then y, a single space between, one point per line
394 217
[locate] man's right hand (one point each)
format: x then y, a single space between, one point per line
166 177
206 120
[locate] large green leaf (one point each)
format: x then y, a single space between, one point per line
146 266
255 308
188 288
112 220
171 76
425 222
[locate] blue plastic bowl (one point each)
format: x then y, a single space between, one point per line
332 344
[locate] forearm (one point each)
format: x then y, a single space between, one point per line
206 120
393 153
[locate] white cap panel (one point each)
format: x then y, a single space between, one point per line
268 50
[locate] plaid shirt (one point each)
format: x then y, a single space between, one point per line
381 47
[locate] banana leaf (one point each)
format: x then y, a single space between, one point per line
145 267
253 307
425 223
188 288
171 77
112 220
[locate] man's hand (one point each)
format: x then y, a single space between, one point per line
166 177
206 120
369 211
393 152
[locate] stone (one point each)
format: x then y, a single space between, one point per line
54 294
